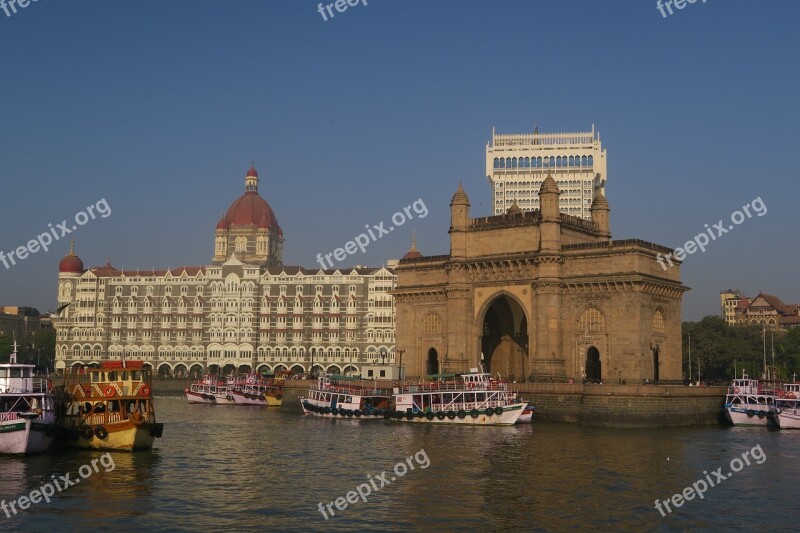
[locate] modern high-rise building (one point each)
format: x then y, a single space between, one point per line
517 164
245 311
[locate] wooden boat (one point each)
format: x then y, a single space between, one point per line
108 408
27 416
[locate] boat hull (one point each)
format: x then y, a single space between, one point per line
273 401
243 398
751 416
25 437
316 408
197 397
526 417
789 419
508 417
121 436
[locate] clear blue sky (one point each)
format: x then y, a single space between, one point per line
159 107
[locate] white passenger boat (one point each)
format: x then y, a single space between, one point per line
473 398
749 404
346 397
211 390
27 414
787 406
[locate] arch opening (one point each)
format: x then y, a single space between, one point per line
504 343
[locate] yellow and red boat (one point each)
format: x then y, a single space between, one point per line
109 407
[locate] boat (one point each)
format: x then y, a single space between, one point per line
346 397
527 414
211 390
787 406
27 414
109 407
472 398
255 389
274 395
749 404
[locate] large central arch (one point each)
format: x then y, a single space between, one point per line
504 338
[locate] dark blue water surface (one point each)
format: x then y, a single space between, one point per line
221 468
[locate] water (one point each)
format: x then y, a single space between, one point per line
233 468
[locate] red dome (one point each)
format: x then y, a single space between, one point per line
71 264
252 173
412 254
250 209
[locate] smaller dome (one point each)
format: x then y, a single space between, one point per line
460 197
600 202
252 172
514 209
549 185
71 263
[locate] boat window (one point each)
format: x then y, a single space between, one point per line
112 376
26 372
135 375
95 377
113 406
124 376
3 373
16 372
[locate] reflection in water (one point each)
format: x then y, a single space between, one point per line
255 469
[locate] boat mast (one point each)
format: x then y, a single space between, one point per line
764 336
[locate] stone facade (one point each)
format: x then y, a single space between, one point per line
541 295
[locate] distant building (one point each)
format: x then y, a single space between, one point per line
246 311
763 310
517 164
19 322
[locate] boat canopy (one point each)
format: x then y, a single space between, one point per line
338 377
442 376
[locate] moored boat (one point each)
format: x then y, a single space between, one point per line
255 389
787 406
473 398
527 415
27 415
109 407
211 390
346 397
749 404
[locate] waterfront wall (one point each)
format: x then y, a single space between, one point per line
624 406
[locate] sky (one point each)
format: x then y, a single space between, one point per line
158 108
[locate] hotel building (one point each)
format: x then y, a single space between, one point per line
517 164
245 311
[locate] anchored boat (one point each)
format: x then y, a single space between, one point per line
474 398
108 408
749 404
254 389
212 390
346 397
27 416
787 406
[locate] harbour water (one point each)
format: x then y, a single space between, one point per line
221 468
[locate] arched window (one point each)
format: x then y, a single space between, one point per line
513 162
590 159
583 161
496 163
572 160
658 322
591 321
431 324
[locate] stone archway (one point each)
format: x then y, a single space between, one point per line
594 368
432 366
504 342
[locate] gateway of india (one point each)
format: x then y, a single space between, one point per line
538 293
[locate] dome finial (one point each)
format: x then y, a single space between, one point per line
414 240
72 246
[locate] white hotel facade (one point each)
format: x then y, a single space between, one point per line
246 311
517 164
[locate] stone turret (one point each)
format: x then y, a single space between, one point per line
551 217
459 222
600 212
